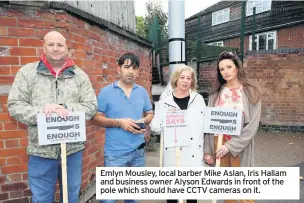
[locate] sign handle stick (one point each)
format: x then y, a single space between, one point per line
178 164
161 150
219 144
64 172
218 161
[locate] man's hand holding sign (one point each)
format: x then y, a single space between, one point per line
56 125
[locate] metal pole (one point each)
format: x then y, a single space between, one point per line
176 34
243 29
198 44
176 38
253 29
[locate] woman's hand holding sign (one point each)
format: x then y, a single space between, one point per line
208 159
222 151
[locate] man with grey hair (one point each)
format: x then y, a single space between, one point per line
52 85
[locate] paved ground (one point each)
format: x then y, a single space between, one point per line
271 150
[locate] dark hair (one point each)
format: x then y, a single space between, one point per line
251 89
129 56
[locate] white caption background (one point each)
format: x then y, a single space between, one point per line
154 183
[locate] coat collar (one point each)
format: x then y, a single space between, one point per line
170 101
68 72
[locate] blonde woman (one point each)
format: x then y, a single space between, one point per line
234 90
183 97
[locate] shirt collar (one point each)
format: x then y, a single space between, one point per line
115 85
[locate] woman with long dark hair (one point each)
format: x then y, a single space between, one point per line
233 89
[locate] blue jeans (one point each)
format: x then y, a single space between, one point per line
42 174
132 159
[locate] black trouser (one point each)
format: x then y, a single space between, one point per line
188 201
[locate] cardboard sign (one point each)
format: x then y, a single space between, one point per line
223 121
176 131
56 130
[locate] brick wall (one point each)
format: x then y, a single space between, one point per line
289 37
93 49
280 77
292 37
235 42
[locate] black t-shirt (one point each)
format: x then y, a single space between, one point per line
182 102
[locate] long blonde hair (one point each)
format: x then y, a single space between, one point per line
250 88
178 71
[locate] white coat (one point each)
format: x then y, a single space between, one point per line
191 155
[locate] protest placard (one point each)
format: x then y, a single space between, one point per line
222 121
57 130
176 129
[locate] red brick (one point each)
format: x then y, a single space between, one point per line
1 144
21 126
40 33
3 196
13 187
25 176
25 60
7 41
110 53
79 38
3 99
6 21
30 42
78 22
4 110
20 51
12 143
3 31
92 35
12 125
50 24
21 32
23 159
78 62
96 71
12 152
64 17
79 54
14 69
15 195
20 200
13 160
30 23
2 163
45 14
27 193
14 169
14 178
72 28
4 116
13 134
9 60
88 64
6 79
97 59
5 70
95 78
